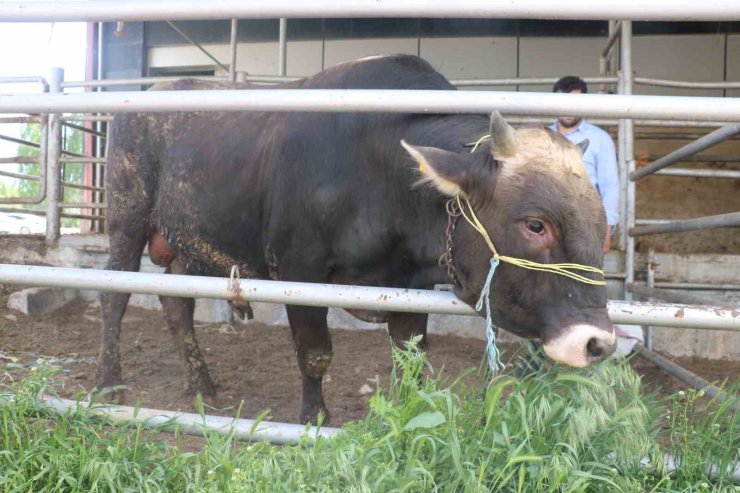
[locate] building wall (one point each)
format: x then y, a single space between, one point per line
695 57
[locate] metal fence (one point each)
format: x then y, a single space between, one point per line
658 110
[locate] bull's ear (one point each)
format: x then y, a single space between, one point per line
453 173
583 146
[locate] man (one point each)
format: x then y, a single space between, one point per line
600 157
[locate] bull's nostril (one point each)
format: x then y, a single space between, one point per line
596 349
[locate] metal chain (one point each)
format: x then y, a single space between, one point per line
445 260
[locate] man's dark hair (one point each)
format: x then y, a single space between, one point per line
570 83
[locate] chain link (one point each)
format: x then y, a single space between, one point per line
445 260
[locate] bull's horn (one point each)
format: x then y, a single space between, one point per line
503 136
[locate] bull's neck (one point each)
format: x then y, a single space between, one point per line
426 239
424 213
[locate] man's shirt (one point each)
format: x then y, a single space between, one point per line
600 161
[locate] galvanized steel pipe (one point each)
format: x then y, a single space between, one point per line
682 225
358 297
371 100
195 424
283 47
163 10
700 173
53 152
674 297
687 84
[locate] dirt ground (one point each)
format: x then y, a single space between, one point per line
252 362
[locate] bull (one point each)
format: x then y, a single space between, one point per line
354 198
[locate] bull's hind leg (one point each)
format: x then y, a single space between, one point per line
403 326
178 314
312 344
126 248
130 182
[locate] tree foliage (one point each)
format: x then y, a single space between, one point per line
72 141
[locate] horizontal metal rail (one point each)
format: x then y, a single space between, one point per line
525 81
358 297
687 84
274 79
82 205
709 140
83 159
700 173
676 135
68 184
20 160
163 10
679 123
731 220
698 285
43 213
24 79
610 122
706 158
643 222
91 217
195 424
87 118
136 81
20 119
669 296
587 105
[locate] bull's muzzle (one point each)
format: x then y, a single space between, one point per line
580 345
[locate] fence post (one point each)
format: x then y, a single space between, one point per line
629 158
53 175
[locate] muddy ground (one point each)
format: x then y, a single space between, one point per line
252 362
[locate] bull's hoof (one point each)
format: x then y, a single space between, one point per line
205 389
311 415
111 391
210 400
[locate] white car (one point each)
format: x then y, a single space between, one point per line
19 223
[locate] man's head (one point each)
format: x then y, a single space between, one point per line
570 84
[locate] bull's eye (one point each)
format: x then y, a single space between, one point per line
535 226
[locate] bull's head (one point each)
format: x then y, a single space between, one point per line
531 193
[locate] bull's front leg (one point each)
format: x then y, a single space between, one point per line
312 343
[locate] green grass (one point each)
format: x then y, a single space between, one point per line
556 430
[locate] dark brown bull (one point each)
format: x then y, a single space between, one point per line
334 197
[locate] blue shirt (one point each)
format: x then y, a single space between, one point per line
600 161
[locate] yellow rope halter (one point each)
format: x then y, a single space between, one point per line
564 269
